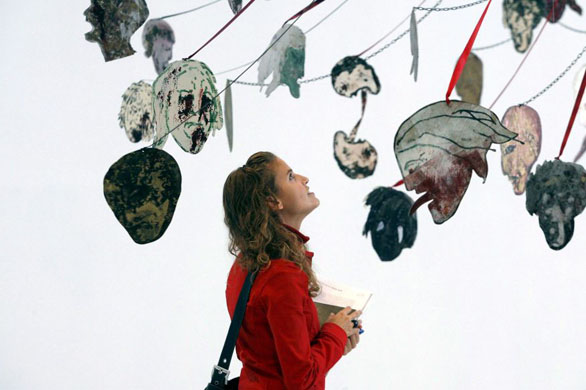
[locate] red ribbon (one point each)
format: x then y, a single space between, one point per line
573 117
397 184
304 10
464 57
223 28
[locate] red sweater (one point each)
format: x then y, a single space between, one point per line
280 344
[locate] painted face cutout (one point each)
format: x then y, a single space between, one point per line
158 39
469 86
392 228
114 22
557 194
438 147
142 189
558 8
521 17
136 112
185 101
517 158
357 159
353 74
285 60
235 5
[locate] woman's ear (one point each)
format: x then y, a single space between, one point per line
274 203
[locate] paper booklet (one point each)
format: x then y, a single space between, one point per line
335 296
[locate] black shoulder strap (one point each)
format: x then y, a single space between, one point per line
220 372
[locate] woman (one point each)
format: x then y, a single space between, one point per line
280 344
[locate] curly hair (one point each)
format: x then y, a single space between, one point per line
256 232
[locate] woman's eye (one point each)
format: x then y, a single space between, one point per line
291 176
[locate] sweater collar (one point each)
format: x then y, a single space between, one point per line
300 235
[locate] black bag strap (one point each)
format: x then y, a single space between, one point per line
220 371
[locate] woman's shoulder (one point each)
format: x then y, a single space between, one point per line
281 273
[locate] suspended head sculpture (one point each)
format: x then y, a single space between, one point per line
392 228
557 194
235 5
352 74
438 147
114 22
518 156
522 16
142 189
285 60
469 86
558 7
136 112
185 102
158 39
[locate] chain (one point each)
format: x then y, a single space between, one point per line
491 46
557 78
250 84
572 28
451 8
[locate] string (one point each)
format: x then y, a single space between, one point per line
306 32
573 116
228 84
189 10
224 27
311 5
545 23
464 56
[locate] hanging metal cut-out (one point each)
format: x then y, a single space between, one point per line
356 158
521 17
391 226
158 39
285 60
352 74
136 112
438 147
185 104
518 156
114 22
557 194
469 85
142 189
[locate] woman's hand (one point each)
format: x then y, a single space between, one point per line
351 343
343 319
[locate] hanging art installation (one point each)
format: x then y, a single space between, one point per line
114 22
142 189
357 158
391 226
136 115
469 85
158 39
439 146
235 5
414 45
518 156
554 9
186 105
285 60
228 114
521 17
556 192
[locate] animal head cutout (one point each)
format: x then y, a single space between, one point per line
158 39
185 103
352 74
522 16
518 156
469 85
391 226
136 112
285 60
235 5
438 147
356 158
558 7
557 194
114 22
142 189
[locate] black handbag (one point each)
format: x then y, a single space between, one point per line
220 371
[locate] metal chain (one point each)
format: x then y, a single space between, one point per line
557 78
572 28
250 84
451 8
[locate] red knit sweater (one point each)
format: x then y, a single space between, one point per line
280 344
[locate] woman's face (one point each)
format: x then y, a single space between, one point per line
294 200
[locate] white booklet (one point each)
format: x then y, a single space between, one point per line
335 296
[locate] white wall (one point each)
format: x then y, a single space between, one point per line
479 302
